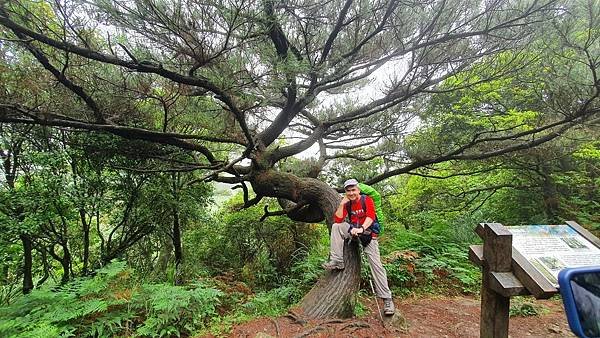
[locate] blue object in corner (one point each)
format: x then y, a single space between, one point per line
580 291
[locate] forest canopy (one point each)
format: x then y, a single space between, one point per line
264 81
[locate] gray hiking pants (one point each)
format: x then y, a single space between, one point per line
339 232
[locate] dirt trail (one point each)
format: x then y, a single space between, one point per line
450 317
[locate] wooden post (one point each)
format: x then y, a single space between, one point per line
497 252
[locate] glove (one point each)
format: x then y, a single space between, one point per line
365 237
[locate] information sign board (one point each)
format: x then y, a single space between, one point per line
551 248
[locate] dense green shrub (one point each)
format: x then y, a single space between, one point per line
259 253
305 270
580 187
525 307
432 258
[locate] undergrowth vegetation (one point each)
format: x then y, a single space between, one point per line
117 302
110 303
524 307
428 261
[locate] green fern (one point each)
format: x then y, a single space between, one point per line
167 305
110 304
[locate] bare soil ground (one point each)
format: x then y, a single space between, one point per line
428 316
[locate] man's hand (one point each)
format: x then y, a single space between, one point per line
345 200
357 231
339 213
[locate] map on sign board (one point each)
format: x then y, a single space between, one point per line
551 248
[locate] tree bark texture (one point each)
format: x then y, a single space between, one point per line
318 199
334 295
550 193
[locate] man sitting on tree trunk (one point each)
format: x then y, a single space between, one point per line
362 220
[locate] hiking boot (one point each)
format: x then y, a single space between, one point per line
333 265
388 307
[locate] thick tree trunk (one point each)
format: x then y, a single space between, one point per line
27 263
334 294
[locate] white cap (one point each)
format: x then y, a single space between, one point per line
350 182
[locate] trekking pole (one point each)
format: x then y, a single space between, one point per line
362 257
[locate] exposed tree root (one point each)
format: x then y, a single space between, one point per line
356 325
333 321
330 325
274 321
310 331
296 318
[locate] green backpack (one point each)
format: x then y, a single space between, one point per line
374 194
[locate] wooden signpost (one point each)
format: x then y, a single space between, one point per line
508 272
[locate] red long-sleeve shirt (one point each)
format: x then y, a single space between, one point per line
358 214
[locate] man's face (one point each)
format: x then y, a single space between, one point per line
352 192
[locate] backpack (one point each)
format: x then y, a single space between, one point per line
376 196
366 190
